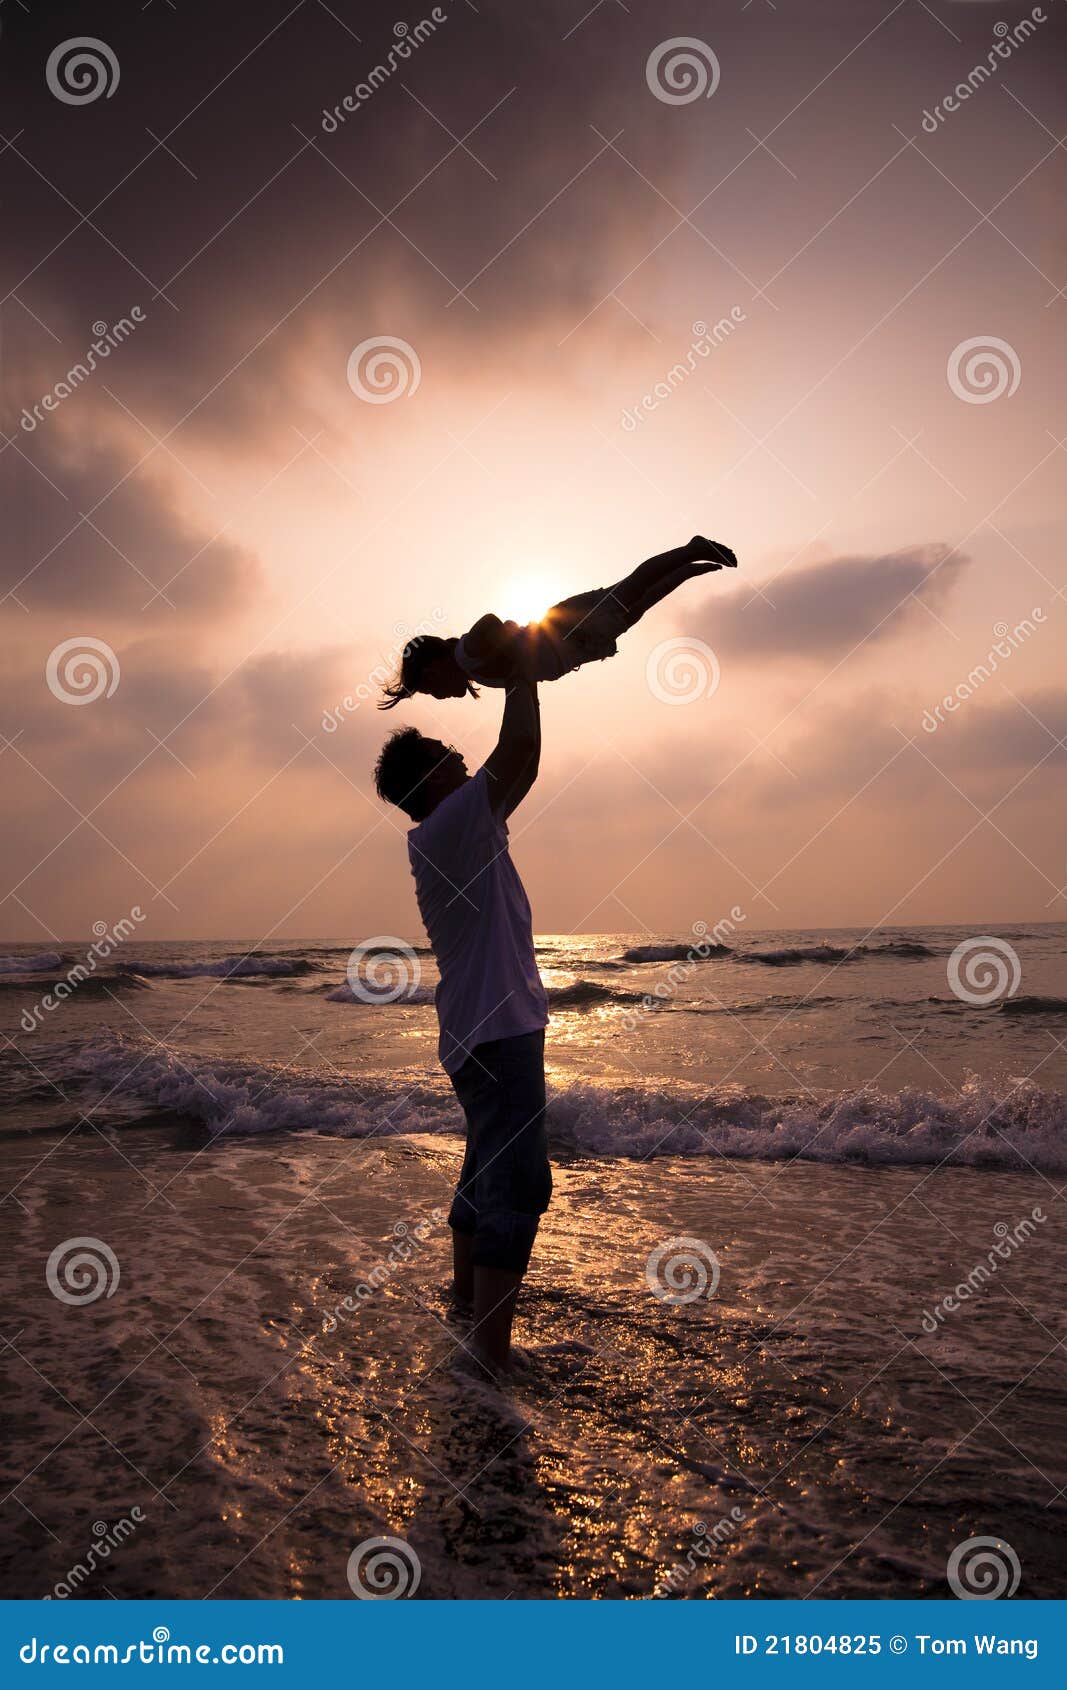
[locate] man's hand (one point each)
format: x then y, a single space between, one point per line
524 657
483 640
512 766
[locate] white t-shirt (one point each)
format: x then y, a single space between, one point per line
477 916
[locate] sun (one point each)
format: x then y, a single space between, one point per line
525 597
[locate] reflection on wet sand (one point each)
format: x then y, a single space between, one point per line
798 1432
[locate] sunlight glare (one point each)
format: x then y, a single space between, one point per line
526 597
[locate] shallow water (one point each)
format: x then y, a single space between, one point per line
866 1168
801 1422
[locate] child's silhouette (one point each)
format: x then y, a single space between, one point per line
582 629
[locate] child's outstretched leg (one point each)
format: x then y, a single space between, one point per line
658 576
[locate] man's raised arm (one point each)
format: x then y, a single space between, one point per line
512 766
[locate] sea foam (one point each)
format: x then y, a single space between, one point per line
1007 1125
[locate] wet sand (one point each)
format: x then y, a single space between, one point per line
798 1433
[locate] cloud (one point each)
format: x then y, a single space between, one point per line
519 154
824 610
1003 735
86 534
255 276
214 715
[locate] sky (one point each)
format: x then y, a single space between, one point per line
559 287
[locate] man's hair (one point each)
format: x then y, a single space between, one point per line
405 761
418 654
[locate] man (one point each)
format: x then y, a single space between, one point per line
490 1002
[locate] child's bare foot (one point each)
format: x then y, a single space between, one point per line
716 556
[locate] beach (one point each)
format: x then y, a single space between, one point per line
782 1339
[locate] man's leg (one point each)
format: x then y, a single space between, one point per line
463 1266
496 1291
503 1093
462 1217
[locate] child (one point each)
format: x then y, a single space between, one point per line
582 629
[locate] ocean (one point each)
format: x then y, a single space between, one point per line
838 1047
794 1321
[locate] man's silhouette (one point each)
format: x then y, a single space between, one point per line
490 1002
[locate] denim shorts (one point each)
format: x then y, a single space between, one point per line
505 1183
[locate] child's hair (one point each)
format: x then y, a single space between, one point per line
418 654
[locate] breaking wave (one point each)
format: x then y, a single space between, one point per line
1003 1125
1034 1006
40 964
787 955
675 953
230 968
577 994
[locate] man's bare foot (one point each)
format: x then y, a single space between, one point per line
472 1361
711 552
